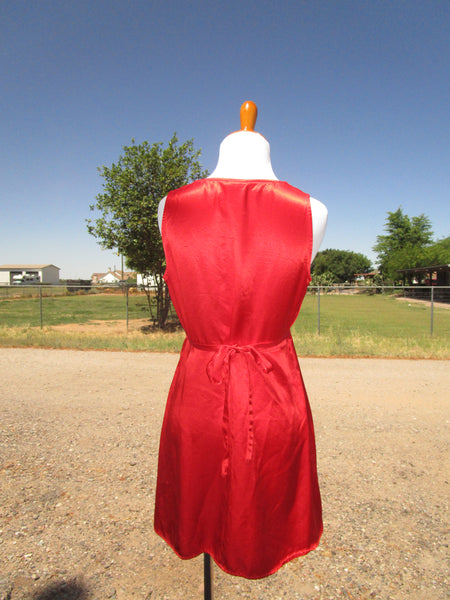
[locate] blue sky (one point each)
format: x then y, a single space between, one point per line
353 97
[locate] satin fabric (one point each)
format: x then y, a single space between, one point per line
237 464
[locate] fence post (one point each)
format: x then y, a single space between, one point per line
318 310
432 310
126 287
40 303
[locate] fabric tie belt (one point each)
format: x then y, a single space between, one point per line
218 371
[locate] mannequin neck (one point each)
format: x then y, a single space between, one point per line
244 155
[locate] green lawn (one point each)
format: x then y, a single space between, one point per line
378 325
354 325
58 310
377 314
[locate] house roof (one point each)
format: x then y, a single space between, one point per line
116 274
431 268
27 267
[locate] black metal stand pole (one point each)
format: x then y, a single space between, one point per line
207 577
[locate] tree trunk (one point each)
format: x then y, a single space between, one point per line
159 290
148 292
162 302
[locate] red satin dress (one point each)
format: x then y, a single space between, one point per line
237 464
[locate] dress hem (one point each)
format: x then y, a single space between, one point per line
272 571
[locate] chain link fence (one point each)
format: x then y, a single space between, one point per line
428 296
46 305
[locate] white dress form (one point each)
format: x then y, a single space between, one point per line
245 154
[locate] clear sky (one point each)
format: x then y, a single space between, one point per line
353 96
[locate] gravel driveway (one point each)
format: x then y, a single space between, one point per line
79 436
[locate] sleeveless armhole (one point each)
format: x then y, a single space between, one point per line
169 209
310 241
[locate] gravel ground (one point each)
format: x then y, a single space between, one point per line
79 436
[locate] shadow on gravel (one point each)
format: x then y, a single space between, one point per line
64 590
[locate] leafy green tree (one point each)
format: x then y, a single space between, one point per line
404 245
322 279
438 253
340 266
128 208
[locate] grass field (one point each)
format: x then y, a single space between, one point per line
350 325
57 310
379 325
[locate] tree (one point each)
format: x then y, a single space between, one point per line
128 207
340 266
404 245
322 279
438 253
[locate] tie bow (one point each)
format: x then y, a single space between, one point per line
218 368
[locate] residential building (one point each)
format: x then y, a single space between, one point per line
112 277
29 274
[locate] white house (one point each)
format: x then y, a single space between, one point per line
111 277
143 280
116 277
23 274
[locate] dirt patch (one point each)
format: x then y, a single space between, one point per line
79 435
425 303
117 327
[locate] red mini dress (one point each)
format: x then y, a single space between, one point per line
237 471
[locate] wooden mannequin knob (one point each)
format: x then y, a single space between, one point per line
249 112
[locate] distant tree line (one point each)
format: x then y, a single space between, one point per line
338 266
407 243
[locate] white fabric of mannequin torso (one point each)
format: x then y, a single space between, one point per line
246 155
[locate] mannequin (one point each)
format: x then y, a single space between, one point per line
241 362
245 154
